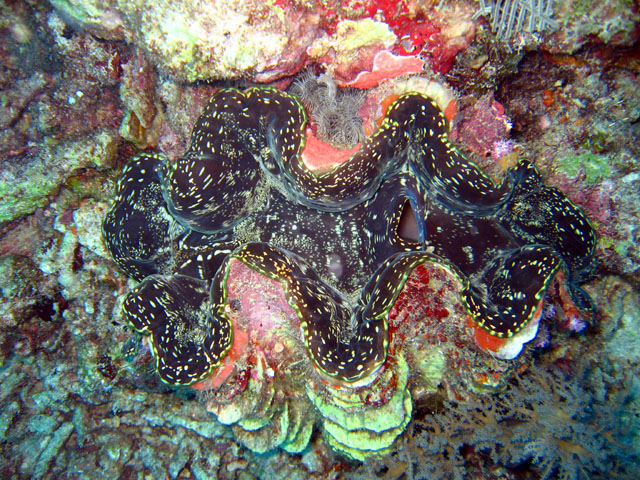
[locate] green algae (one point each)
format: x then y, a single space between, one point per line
78 12
595 167
602 19
355 34
622 247
27 187
431 368
24 194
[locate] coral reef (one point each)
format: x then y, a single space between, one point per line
556 425
536 24
88 85
484 129
255 37
584 111
267 41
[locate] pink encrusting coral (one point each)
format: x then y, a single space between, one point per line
386 65
484 127
436 33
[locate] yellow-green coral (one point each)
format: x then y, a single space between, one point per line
350 37
594 167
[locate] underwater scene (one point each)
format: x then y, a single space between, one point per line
317 239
